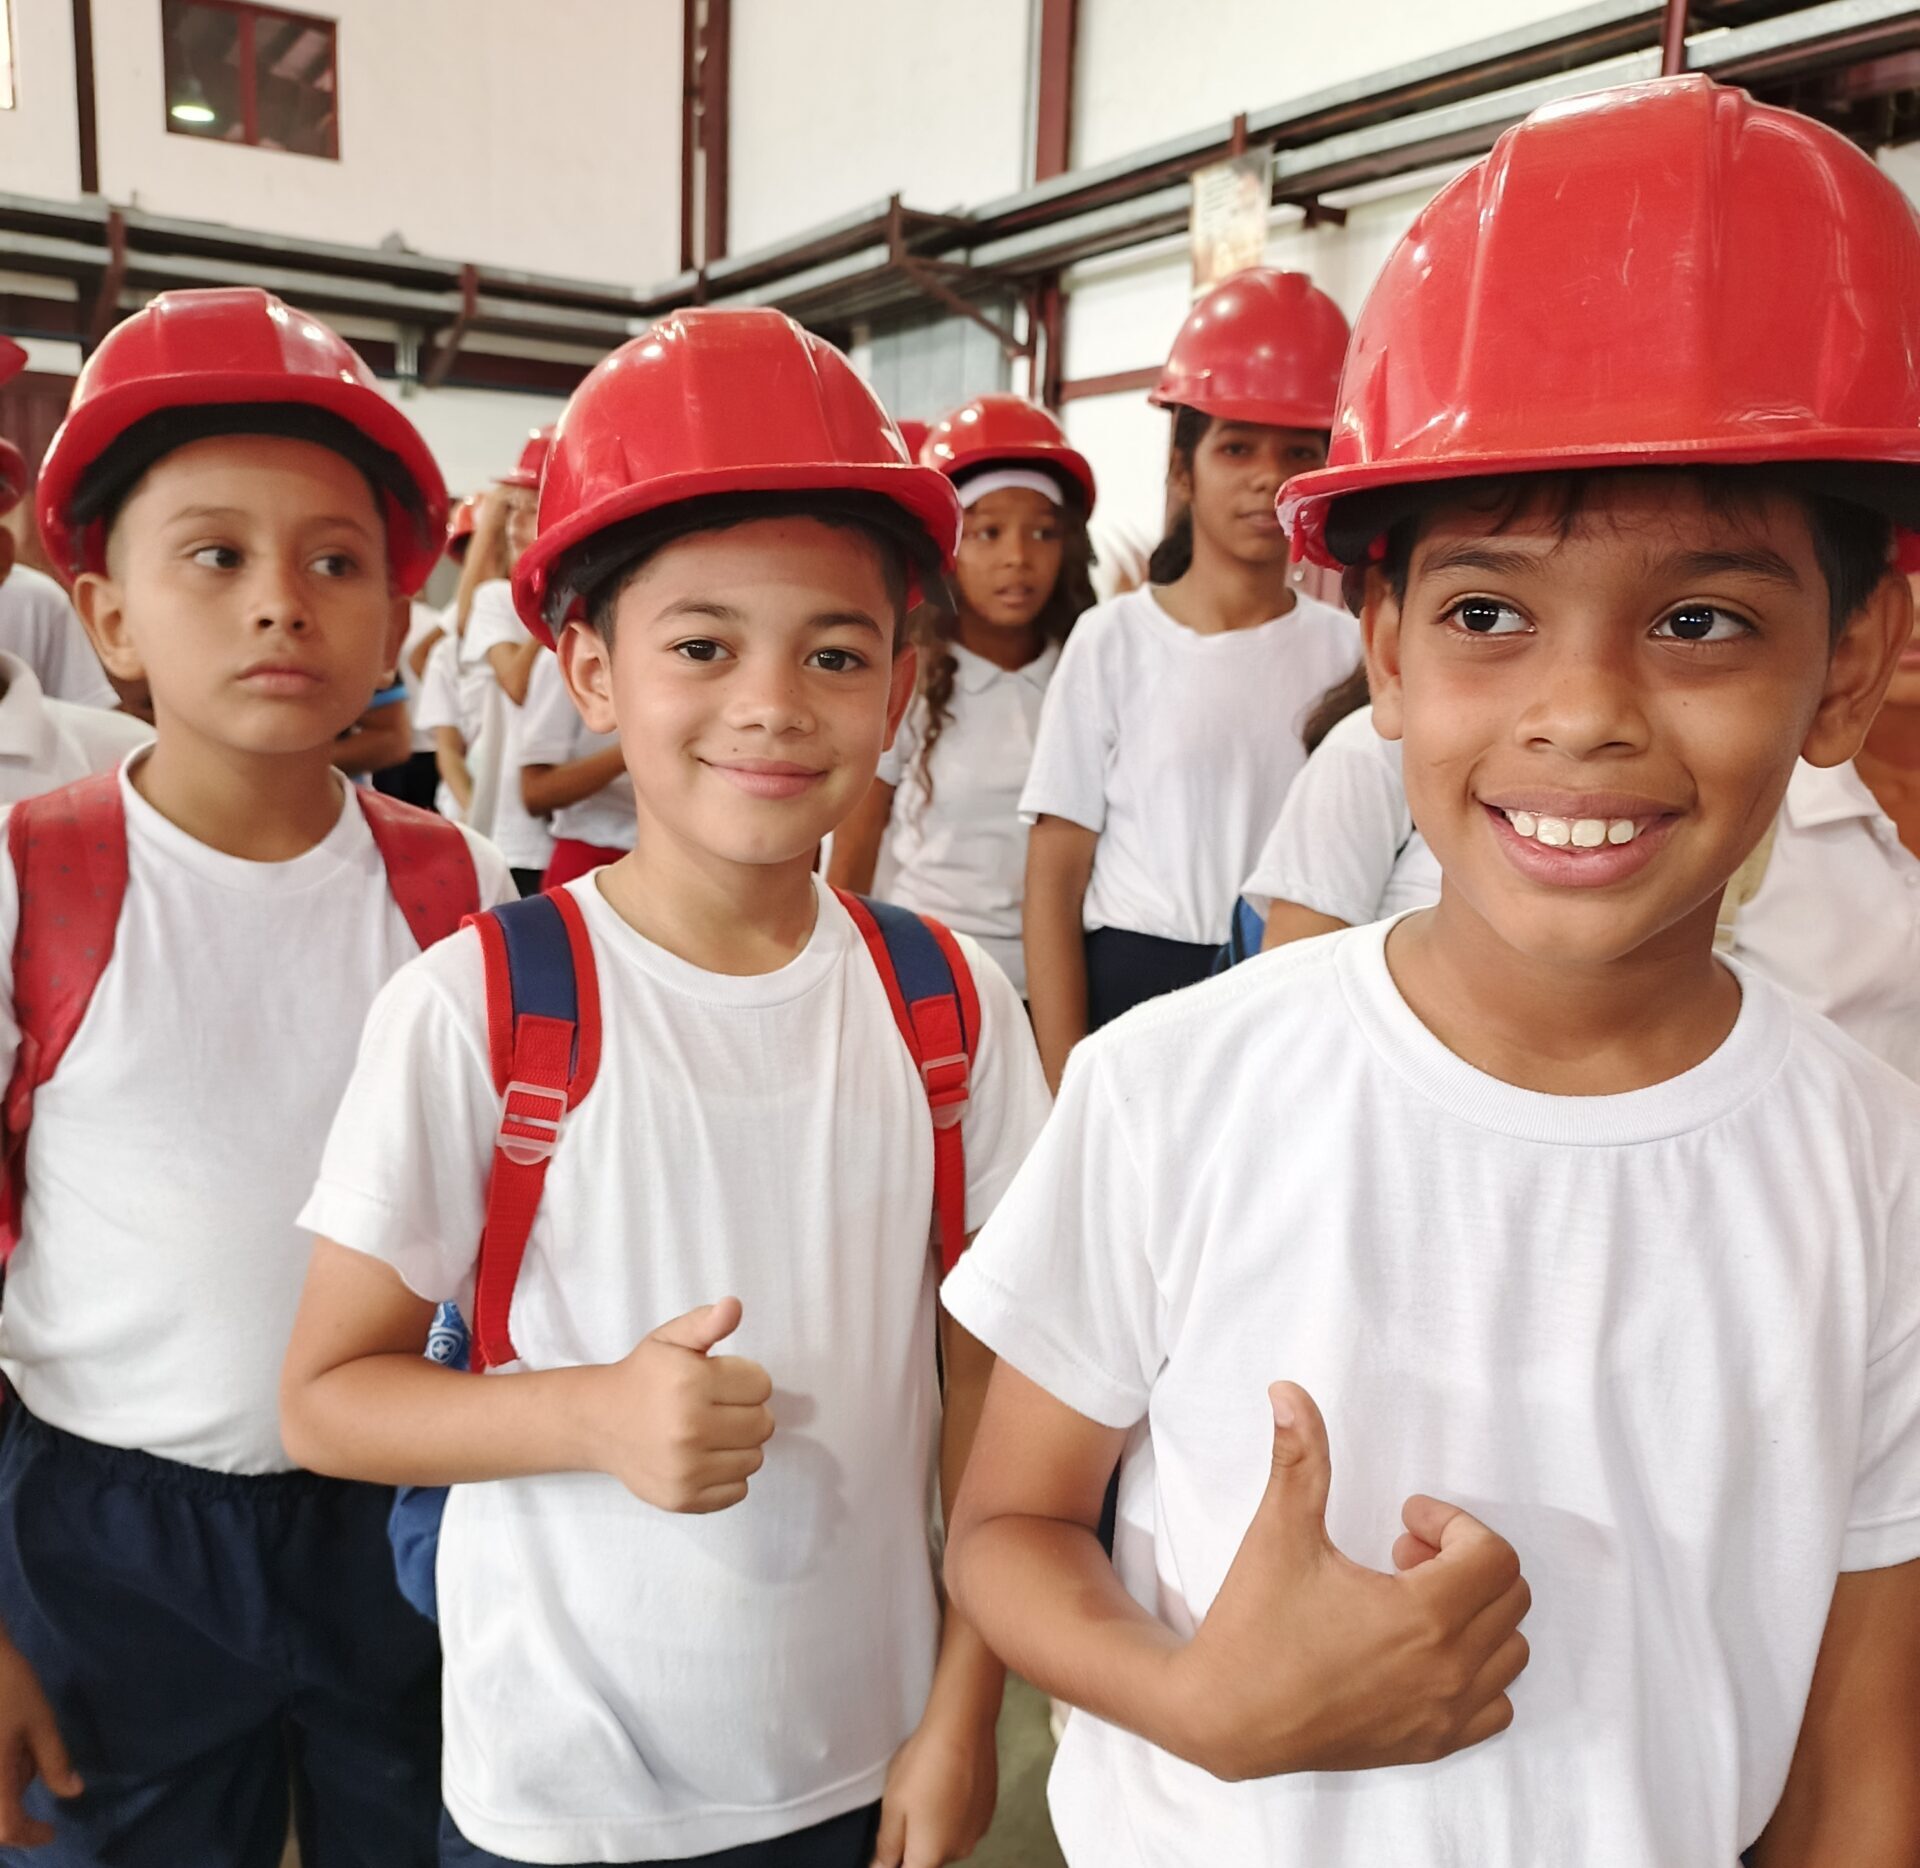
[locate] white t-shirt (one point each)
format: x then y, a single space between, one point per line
40 625
1837 914
961 855
552 733
1345 844
152 1296
1178 749
422 620
45 744
494 743
625 1684
1667 1343
439 706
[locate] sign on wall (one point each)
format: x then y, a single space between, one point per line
1231 202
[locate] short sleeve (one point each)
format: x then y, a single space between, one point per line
39 624
1008 1104
492 621
897 761
403 1178
550 725
439 702
1883 1523
1059 1283
490 870
1339 833
1068 776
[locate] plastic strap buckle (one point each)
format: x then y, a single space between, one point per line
949 1087
525 1149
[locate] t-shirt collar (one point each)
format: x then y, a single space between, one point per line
974 674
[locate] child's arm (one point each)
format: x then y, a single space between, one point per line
944 1781
679 1427
1305 1662
450 761
545 789
856 842
512 665
30 1747
381 737
1853 1795
1288 921
417 655
1059 866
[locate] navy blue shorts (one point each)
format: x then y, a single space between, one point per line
1126 969
840 1842
218 1651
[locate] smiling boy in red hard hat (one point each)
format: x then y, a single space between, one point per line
671 1136
193 940
1596 1250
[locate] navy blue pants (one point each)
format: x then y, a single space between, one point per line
840 1842
1126 969
217 1650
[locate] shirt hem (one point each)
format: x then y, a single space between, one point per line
1882 1545
678 1837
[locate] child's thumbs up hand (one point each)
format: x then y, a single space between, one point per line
679 1426
1310 1662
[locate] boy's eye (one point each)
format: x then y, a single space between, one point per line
335 564
837 661
702 649
1701 622
217 558
1482 616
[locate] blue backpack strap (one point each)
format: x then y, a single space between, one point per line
937 1007
543 1042
1243 938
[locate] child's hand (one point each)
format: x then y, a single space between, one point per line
30 1747
1309 1662
940 1793
679 1427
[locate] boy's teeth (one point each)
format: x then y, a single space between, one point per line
1581 833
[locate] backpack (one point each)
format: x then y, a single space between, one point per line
543 1045
69 855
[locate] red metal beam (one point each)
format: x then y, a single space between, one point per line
716 85
455 334
1673 39
83 97
1053 124
1119 383
689 127
106 300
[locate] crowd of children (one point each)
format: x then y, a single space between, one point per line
547 1176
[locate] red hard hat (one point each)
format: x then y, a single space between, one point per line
1264 347
1663 274
460 524
533 457
914 434
711 402
13 359
15 477
232 347
1007 429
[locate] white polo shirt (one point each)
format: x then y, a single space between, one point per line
1178 749
552 733
45 744
40 625
1345 843
1837 914
493 743
961 854
439 706
1666 1342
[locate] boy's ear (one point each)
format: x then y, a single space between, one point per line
1380 631
1858 671
906 676
102 607
586 665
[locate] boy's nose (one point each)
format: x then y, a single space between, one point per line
1587 704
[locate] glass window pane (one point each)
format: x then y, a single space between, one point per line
203 70
294 73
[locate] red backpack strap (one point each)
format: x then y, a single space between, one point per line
937 1007
429 866
543 1043
69 854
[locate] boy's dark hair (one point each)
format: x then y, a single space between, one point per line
601 568
1852 539
108 482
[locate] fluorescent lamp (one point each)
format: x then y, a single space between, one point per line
187 111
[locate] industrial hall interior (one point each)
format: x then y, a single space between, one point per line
960 931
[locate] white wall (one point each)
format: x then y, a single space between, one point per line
546 139
838 105
39 140
474 433
1145 72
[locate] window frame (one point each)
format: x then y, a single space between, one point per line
248 14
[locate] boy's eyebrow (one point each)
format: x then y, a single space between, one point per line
199 513
845 619
1472 554
1748 561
